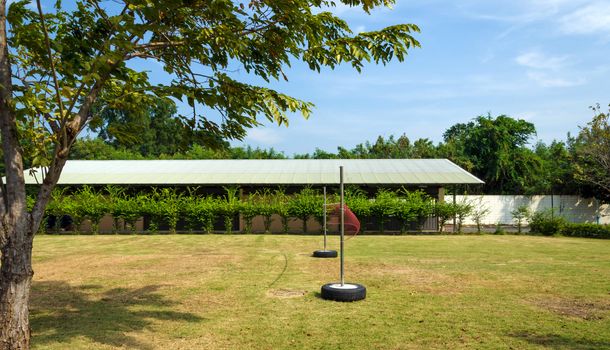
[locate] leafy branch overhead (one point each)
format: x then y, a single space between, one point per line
63 66
96 50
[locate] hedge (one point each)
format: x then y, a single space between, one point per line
586 230
170 207
547 223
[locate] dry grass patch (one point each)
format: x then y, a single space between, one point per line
577 308
262 292
286 293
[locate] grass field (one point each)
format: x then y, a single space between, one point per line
262 292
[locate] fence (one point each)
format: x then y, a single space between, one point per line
573 208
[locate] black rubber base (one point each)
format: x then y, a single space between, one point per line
340 294
325 254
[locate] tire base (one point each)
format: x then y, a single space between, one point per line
351 292
325 254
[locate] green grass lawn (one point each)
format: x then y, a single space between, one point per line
262 292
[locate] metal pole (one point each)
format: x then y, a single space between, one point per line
342 222
454 218
324 220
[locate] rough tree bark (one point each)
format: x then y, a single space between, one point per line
16 235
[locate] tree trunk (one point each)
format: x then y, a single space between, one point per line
15 229
15 280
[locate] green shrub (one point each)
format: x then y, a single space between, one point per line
413 206
358 202
170 206
280 205
128 209
444 211
205 210
249 209
306 204
93 206
586 230
479 212
229 207
499 229
520 213
57 206
462 211
267 203
74 208
384 207
546 222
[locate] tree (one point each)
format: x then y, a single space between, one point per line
557 170
520 214
444 212
56 66
494 149
592 153
479 212
392 148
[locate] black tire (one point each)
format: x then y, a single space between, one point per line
325 254
339 294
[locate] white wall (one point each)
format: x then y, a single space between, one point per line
573 208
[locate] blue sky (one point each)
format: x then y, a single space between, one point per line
545 61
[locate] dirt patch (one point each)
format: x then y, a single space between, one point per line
286 293
583 309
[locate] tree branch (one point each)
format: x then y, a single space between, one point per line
82 86
51 61
159 45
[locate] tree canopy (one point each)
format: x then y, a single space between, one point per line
64 65
592 153
494 149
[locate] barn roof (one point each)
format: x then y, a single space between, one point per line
260 172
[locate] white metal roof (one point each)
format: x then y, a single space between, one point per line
261 172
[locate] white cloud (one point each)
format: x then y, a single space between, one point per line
546 80
538 60
548 71
516 11
266 137
591 19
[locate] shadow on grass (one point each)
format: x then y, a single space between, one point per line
61 312
556 341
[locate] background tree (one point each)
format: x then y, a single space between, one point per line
557 170
592 153
495 151
55 67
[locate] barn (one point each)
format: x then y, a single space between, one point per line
211 176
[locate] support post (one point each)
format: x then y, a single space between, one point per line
324 218
342 222
454 218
